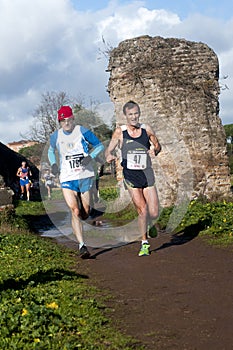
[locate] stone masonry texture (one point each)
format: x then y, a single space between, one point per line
175 82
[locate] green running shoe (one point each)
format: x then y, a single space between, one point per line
145 250
152 231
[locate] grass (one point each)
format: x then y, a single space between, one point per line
47 304
46 301
211 220
24 208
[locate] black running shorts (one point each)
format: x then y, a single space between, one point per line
139 178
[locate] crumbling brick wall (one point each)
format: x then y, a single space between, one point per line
175 82
5 195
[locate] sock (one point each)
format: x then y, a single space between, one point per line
145 242
81 245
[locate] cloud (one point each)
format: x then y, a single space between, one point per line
16 116
122 25
215 33
51 46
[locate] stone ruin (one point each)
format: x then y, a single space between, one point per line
175 82
6 195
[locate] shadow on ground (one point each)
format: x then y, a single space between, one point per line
39 278
182 237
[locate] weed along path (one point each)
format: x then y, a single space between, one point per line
180 297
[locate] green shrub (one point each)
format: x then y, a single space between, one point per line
10 220
109 194
211 218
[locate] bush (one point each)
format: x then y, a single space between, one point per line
211 218
10 220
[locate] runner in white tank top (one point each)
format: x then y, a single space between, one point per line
76 171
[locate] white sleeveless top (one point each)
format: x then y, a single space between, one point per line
71 151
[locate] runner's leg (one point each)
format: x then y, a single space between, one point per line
49 191
72 200
22 190
28 191
85 205
141 207
151 198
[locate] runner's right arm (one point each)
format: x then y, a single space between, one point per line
51 153
116 140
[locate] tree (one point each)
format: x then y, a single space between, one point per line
33 153
91 120
86 117
45 116
229 135
229 132
103 132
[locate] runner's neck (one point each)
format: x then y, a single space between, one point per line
134 131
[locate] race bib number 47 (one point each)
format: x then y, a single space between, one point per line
136 159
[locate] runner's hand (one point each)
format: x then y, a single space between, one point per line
86 160
110 157
54 169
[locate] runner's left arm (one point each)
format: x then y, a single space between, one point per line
92 139
156 147
29 172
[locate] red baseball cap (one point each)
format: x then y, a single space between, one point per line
64 112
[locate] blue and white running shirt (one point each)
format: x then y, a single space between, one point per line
72 148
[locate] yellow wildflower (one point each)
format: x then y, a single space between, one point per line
24 312
52 305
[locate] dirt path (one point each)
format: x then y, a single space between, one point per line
180 297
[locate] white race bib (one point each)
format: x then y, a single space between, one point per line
137 160
73 162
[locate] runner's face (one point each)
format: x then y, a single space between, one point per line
67 124
132 116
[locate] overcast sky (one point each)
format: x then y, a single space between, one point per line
56 45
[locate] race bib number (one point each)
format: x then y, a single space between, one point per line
137 159
73 162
